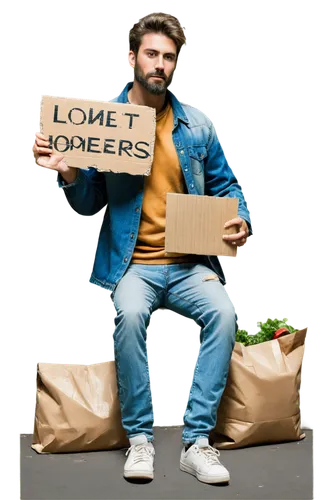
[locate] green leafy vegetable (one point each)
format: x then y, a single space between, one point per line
266 332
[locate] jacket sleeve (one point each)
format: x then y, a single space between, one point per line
87 194
219 178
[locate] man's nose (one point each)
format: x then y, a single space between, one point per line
160 63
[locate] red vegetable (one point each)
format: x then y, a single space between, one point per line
280 333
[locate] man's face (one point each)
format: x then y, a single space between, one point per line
155 62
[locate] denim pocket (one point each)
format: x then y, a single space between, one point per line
197 155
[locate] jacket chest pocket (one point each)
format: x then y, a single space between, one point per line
197 155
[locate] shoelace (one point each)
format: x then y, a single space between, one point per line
210 454
142 452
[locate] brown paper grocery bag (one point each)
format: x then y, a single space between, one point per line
77 409
260 403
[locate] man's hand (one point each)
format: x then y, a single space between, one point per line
239 239
47 159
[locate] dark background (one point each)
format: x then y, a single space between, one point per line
245 83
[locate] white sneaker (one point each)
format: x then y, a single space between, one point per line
140 462
201 460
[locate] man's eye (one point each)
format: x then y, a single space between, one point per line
151 54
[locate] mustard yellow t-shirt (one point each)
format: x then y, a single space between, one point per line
166 177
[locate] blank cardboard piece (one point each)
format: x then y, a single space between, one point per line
105 135
195 224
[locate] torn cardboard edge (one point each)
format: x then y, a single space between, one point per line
104 166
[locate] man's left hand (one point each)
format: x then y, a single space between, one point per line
239 239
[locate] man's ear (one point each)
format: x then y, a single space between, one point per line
131 58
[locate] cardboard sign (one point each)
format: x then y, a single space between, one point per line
105 135
195 224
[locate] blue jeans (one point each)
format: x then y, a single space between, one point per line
192 290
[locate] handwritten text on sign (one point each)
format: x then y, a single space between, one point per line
104 135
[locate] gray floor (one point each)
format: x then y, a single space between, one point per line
279 471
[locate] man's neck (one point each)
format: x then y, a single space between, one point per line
139 95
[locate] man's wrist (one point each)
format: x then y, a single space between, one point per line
69 176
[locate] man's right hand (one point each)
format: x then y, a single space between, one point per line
46 157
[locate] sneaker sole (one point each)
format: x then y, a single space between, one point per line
139 474
203 477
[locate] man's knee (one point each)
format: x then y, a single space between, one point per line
225 320
133 313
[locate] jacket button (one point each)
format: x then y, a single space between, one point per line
137 209
125 259
132 236
182 152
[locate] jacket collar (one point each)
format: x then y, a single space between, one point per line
178 111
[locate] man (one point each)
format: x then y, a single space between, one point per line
131 260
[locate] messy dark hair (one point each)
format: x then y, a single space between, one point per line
157 23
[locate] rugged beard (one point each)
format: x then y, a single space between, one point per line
156 88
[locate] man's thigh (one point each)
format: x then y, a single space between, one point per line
194 290
138 289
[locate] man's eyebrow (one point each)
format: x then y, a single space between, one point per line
157 51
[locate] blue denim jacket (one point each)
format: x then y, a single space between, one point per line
206 172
